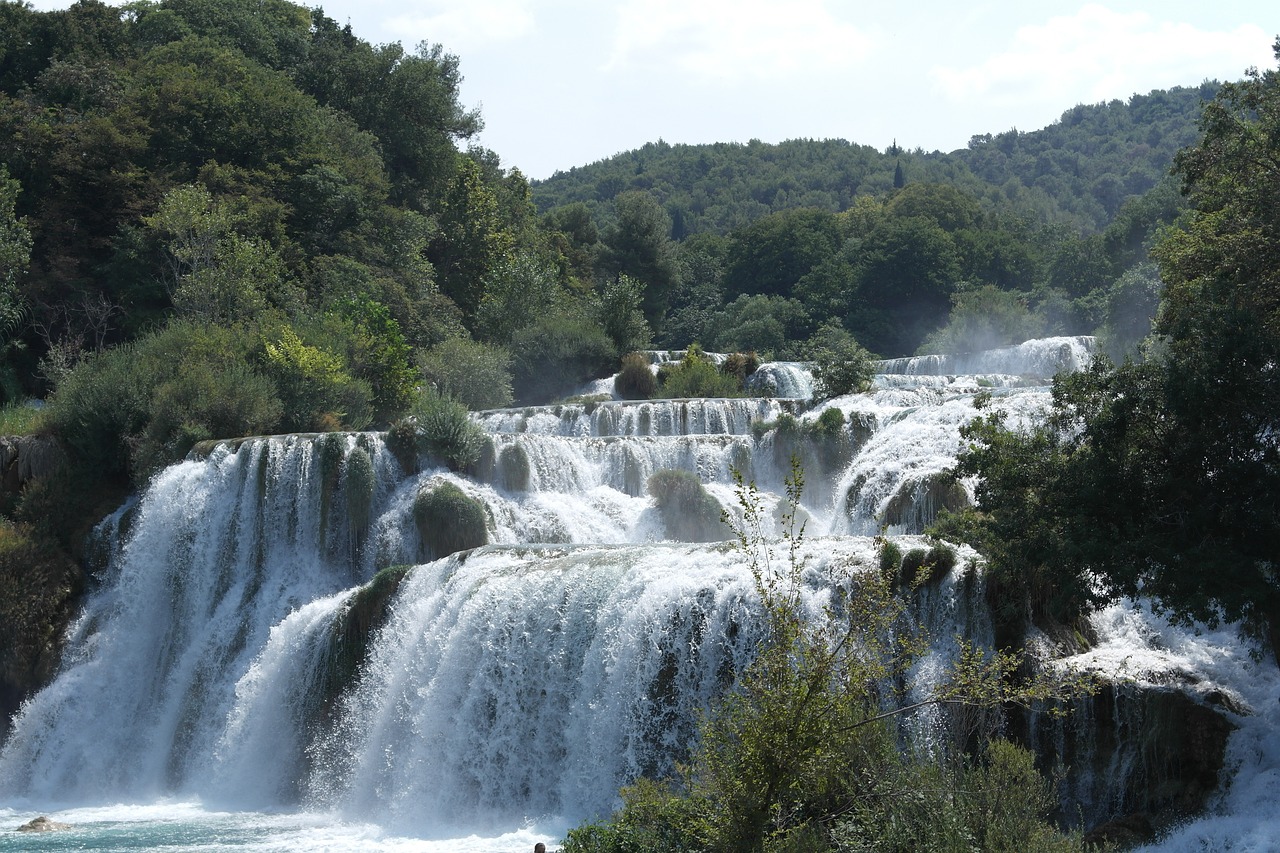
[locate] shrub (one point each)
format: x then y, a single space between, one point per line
315 389
890 559
136 407
558 353
740 365
840 364
448 521
695 375
445 430
688 511
830 423
635 381
475 374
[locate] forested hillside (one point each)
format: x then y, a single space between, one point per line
1078 171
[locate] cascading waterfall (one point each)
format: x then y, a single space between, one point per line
510 690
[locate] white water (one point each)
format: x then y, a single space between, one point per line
515 688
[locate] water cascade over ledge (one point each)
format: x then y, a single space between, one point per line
268 637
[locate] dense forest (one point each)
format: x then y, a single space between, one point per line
233 217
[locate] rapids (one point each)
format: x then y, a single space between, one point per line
514 688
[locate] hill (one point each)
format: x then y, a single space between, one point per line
1078 171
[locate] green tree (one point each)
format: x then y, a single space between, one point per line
15 255
477 375
983 318
1162 479
639 245
804 742
772 254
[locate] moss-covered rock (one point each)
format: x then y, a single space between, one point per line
513 468
40 586
358 486
916 503
688 511
350 635
449 521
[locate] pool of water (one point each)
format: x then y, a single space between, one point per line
188 827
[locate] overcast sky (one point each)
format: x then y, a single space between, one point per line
563 83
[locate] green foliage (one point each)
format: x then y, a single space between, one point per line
15 255
477 375
315 389
740 365
830 423
376 352
983 318
620 316
635 381
444 429
557 353
760 323
840 365
695 375
136 407
448 521
688 511
19 419
1162 478
890 558
638 245
517 291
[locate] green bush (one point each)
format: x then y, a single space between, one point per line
635 381
840 364
890 559
445 430
134 408
695 375
740 365
556 354
448 521
314 386
475 374
830 423
688 511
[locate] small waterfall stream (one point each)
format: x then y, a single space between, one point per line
514 688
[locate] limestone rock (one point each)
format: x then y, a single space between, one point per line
43 824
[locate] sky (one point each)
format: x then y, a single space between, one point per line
564 83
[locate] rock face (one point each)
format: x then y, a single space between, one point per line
43 824
1140 758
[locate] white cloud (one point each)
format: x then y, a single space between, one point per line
722 40
461 25
1098 54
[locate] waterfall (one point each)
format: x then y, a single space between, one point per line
265 636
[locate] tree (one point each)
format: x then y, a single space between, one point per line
15 254
1163 479
639 245
772 254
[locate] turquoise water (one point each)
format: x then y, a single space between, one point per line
187 828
